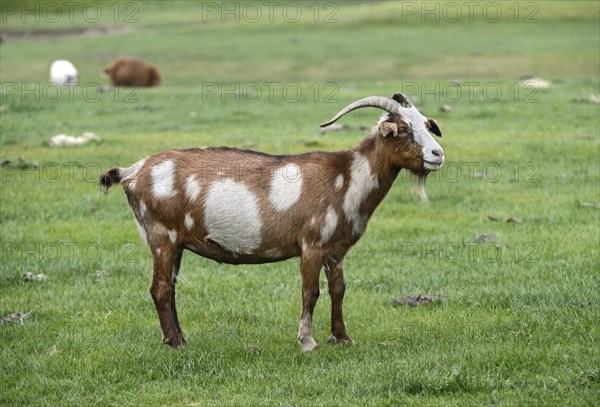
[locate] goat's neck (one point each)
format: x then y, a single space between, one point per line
382 170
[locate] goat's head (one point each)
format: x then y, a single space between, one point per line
405 133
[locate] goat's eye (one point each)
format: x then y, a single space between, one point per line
404 131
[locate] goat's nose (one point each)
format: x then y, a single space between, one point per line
438 153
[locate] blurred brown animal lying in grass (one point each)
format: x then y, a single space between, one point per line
131 71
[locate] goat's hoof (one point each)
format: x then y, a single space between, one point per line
346 340
174 343
308 344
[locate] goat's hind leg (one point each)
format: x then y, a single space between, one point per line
166 264
310 267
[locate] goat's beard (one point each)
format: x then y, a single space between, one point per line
418 187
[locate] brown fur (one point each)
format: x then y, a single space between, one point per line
294 232
131 71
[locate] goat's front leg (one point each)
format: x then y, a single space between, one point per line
163 294
335 279
310 267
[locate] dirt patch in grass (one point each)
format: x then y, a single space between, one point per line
15 317
71 32
416 300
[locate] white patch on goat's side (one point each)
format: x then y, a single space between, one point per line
172 235
360 185
231 216
142 231
286 187
331 221
158 251
192 188
189 222
313 220
339 182
163 177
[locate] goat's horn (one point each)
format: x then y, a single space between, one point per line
382 102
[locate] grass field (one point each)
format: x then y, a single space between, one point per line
520 321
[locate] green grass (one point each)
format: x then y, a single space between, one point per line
520 322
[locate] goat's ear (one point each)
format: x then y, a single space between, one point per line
388 128
434 127
402 99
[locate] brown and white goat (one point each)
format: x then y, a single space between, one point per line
245 207
131 71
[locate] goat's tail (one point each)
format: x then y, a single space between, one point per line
109 177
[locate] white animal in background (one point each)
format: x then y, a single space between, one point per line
63 73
